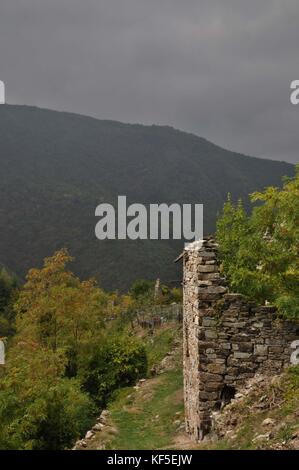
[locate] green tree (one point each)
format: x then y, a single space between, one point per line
260 252
57 310
39 408
142 289
57 315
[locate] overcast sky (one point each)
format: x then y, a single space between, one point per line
219 68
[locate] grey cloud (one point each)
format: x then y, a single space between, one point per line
218 68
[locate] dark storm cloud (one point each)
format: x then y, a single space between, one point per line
219 68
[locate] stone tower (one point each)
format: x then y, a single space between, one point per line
2 93
227 339
158 289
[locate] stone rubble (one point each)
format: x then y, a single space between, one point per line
101 422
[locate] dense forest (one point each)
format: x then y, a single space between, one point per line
57 167
71 345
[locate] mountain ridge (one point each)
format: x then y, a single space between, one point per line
117 123
56 167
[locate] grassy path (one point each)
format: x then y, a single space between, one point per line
151 414
150 417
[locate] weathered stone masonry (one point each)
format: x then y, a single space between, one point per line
227 340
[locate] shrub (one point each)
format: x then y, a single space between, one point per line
117 362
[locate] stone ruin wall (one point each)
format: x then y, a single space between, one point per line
227 339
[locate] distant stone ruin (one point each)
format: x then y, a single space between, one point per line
2 92
227 339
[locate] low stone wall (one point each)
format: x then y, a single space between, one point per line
158 315
227 339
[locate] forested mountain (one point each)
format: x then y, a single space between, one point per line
57 167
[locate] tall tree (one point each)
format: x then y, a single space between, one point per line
260 252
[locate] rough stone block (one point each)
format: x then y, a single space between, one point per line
213 386
226 346
261 349
207 254
242 355
208 377
216 368
203 268
211 334
207 396
208 322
